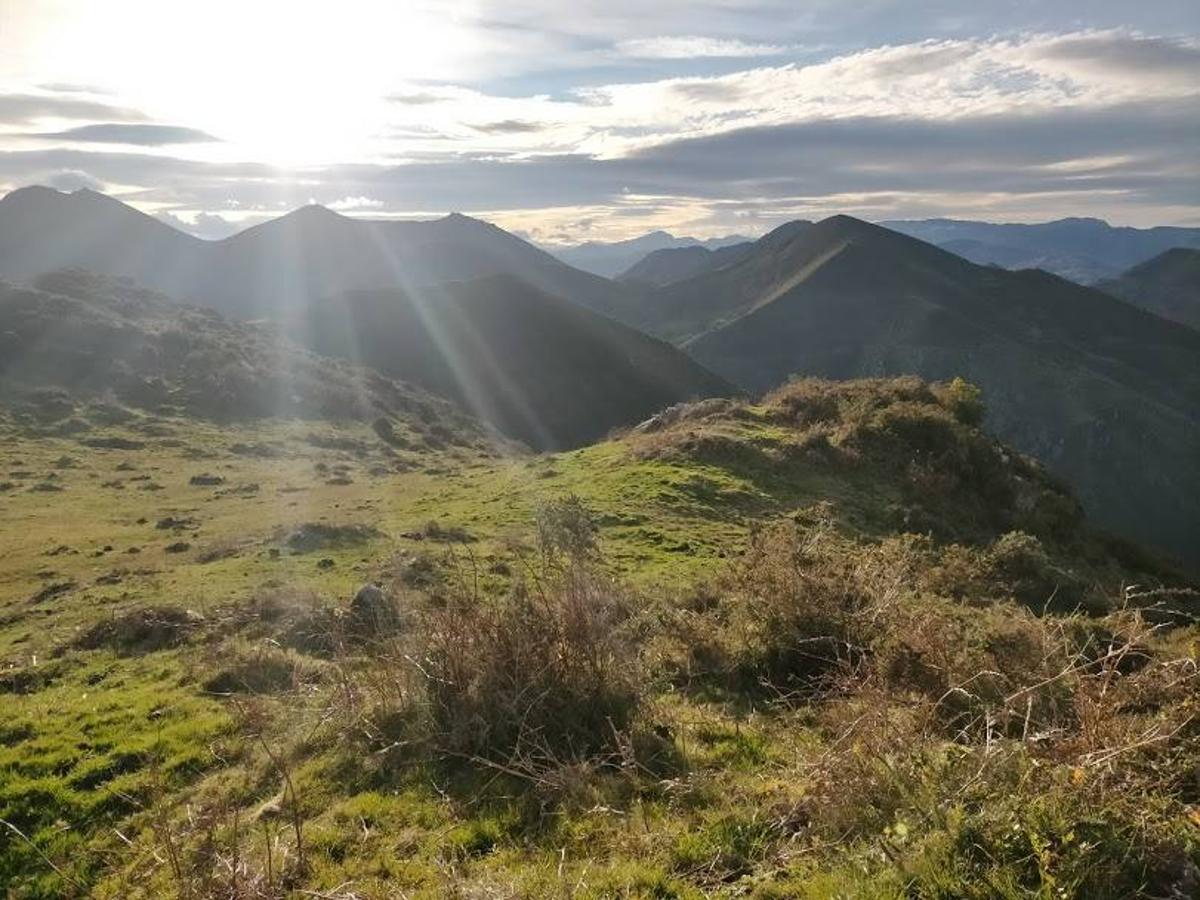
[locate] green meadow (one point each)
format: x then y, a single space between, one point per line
837 643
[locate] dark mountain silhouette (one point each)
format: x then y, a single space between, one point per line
610 259
314 252
547 372
1104 393
672 264
273 268
79 338
1168 286
43 230
1083 250
544 369
686 309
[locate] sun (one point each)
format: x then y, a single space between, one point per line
284 83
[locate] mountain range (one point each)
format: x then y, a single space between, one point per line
1080 249
672 264
273 268
1105 394
324 277
611 258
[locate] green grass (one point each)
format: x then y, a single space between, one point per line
140 766
91 735
88 751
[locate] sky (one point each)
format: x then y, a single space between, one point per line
603 120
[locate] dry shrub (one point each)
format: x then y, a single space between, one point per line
1097 805
543 683
223 548
544 676
802 607
926 436
243 668
1021 563
312 536
566 530
987 751
144 630
813 400
809 614
299 620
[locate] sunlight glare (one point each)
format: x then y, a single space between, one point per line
286 83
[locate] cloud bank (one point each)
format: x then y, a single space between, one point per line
735 127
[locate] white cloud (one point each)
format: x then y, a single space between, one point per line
353 204
933 80
72 180
209 226
695 47
936 80
545 151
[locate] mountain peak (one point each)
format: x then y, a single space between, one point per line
314 212
32 193
843 228
41 193
461 224
849 225
98 200
310 217
72 210
783 233
461 219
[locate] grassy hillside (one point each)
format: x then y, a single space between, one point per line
79 336
1103 393
834 643
541 370
1167 285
